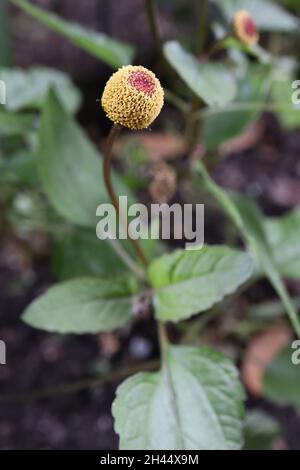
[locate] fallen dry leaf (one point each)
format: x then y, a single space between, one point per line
249 138
260 352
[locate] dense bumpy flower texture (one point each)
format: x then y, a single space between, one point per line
245 28
133 97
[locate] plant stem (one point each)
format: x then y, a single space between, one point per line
83 384
114 132
192 127
244 106
150 11
163 339
5 42
217 47
126 258
202 26
176 101
193 330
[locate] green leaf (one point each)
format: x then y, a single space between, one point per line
70 167
288 113
221 126
152 245
212 82
29 88
282 380
188 282
268 15
22 166
84 305
281 91
248 219
16 124
195 402
283 234
81 253
110 51
260 431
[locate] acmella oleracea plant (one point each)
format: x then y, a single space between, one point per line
245 28
133 97
189 396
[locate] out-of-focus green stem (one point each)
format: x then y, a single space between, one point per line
115 131
176 101
151 15
202 30
192 126
5 46
79 385
163 339
162 333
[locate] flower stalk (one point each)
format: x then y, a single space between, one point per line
133 97
114 132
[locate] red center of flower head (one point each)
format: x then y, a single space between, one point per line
142 81
250 27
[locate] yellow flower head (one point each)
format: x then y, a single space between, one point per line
133 97
245 28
